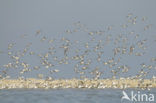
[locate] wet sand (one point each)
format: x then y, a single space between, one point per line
33 83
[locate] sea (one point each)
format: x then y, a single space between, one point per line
73 95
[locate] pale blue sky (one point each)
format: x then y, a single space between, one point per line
53 17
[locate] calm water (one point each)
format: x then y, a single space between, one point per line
66 96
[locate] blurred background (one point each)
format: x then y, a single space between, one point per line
24 22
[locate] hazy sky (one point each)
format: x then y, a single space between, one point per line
53 17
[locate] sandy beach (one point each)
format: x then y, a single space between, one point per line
32 83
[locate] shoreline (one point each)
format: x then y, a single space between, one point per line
32 83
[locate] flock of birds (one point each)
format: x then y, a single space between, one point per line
94 54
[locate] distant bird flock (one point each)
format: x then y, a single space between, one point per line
94 59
